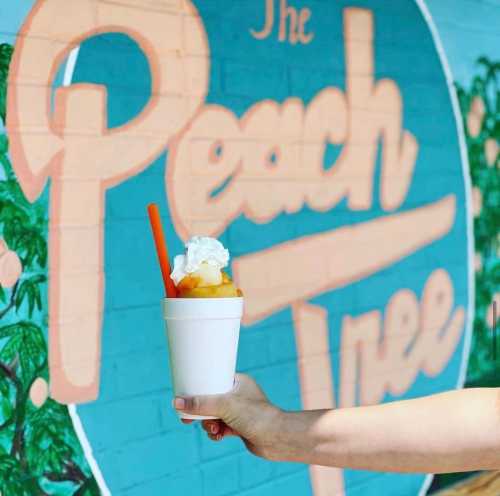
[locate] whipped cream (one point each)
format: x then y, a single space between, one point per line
204 255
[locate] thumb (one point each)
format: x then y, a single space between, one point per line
212 405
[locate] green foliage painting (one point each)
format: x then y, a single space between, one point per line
480 105
39 451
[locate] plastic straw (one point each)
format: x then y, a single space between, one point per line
161 249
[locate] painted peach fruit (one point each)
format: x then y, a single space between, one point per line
10 267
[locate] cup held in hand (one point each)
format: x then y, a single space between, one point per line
202 338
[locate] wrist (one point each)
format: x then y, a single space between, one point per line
302 436
290 436
277 441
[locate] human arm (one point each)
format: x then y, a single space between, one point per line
447 432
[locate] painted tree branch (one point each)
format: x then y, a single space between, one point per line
75 471
62 477
71 473
7 423
84 487
17 448
18 445
11 301
10 374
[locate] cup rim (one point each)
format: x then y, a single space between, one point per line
202 308
205 299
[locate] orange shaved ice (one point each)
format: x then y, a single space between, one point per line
194 287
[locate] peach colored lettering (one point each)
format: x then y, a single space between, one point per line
303 268
288 14
272 161
311 336
268 24
388 351
292 23
316 382
272 158
75 148
413 337
302 36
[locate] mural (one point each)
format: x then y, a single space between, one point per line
480 104
320 141
39 451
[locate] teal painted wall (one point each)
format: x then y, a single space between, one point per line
119 435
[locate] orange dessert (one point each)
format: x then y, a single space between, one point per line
198 273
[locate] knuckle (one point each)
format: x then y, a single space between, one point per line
223 404
195 404
188 404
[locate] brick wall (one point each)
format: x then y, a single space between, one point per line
321 142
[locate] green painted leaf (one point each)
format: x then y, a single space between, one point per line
21 294
31 299
38 298
8 330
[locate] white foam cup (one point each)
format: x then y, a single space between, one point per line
202 338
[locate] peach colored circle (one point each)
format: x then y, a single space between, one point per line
39 392
10 269
478 262
475 116
477 201
473 124
477 106
491 151
489 312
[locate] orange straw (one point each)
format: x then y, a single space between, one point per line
161 249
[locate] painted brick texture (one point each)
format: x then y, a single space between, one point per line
340 187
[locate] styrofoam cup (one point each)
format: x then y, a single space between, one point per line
202 338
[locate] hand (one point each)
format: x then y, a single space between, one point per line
244 412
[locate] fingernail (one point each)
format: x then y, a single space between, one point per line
213 429
179 403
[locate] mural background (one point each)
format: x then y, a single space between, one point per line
138 446
39 451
